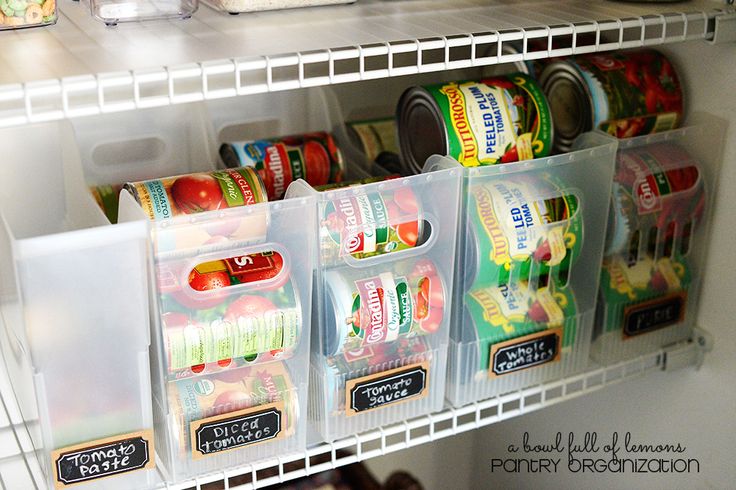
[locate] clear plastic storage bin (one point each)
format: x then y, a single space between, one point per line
244 398
112 12
656 241
17 14
531 237
382 299
238 6
76 318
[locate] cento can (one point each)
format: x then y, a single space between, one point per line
506 312
496 120
625 94
208 326
193 399
364 310
364 224
313 157
520 229
658 198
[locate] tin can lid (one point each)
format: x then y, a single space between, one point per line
422 129
334 332
229 156
569 102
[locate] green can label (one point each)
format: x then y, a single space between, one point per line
497 120
512 310
513 227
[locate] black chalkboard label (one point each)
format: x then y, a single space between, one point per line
525 352
103 458
236 429
386 388
654 314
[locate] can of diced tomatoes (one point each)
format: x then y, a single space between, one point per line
314 157
513 311
210 325
495 120
362 309
199 192
222 190
211 395
521 229
625 94
364 224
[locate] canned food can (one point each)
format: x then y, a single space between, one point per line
658 198
365 310
107 197
497 120
377 140
520 229
625 94
513 310
194 399
221 329
366 224
660 285
353 183
313 157
184 195
369 360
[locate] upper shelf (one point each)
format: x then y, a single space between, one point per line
80 67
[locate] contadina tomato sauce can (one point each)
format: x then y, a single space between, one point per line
510 311
314 157
210 325
369 308
520 229
218 394
496 120
172 197
625 94
363 224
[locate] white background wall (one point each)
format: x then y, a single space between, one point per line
694 408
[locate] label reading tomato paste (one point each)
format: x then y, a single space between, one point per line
382 308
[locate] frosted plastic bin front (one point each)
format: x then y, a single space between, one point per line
178 140
531 237
75 309
657 239
238 6
369 375
112 12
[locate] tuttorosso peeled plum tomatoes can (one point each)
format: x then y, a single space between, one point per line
495 120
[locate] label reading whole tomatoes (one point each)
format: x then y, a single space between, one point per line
498 120
382 308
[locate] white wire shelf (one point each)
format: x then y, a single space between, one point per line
81 67
19 467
